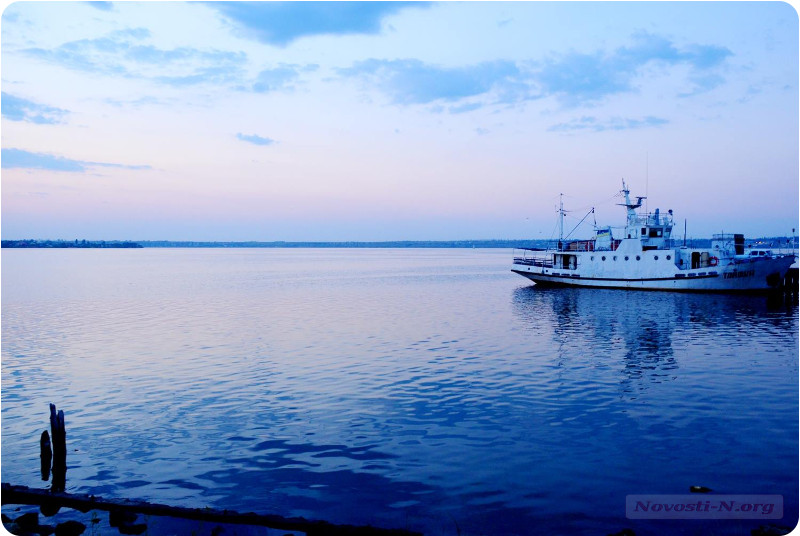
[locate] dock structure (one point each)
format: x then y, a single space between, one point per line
123 513
51 501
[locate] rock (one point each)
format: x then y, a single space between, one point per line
45 530
48 510
70 528
28 522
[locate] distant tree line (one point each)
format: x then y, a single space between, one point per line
535 244
348 244
30 243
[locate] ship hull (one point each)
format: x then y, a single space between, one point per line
762 276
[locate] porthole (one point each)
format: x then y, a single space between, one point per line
638 258
591 258
655 258
603 257
615 257
626 257
669 257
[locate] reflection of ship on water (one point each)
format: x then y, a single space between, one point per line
598 326
643 335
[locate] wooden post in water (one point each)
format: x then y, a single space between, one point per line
45 455
59 437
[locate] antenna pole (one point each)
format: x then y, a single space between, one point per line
646 178
561 221
684 232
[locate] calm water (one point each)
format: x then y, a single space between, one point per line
424 389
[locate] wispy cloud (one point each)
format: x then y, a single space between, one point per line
102 6
411 81
280 23
146 100
255 139
703 83
577 78
19 109
592 124
283 77
125 53
463 108
18 158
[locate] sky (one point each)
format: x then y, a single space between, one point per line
328 121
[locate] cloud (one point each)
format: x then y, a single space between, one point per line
703 83
19 109
411 81
592 124
280 23
102 6
146 100
18 158
282 77
123 53
254 139
577 78
463 108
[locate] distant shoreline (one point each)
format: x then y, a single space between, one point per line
274 244
396 244
66 244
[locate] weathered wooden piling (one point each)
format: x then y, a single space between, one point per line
58 435
790 281
45 455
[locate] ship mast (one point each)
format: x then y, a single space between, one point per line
630 206
560 221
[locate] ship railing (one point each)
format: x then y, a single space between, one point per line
579 245
533 257
650 218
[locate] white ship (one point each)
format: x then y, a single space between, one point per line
645 256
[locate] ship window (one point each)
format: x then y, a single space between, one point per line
644 231
615 257
591 258
626 257
603 257
638 258
669 257
655 258
655 233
